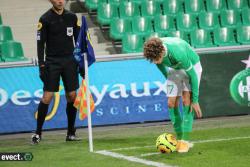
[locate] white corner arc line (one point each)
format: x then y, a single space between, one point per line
132 158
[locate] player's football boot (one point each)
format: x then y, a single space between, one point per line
35 139
190 144
182 147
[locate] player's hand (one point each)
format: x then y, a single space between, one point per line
196 108
42 73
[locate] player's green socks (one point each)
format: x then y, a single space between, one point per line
175 117
188 118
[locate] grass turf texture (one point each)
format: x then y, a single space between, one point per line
55 152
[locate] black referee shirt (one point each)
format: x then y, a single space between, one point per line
56 33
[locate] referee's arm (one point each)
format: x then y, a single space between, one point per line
41 40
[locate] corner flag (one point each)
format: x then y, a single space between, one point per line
85 56
84 45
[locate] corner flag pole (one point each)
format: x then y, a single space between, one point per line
88 103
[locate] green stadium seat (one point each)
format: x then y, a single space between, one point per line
132 43
224 37
230 18
243 34
215 6
142 25
154 34
128 10
12 51
237 4
119 27
91 4
172 7
194 6
208 20
180 34
138 2
106 12
245 13
164 23
5 33
201 38
116 2
186 22
150 8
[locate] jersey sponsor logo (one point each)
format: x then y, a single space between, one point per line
69 31
240 86
39 26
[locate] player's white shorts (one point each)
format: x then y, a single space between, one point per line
178 80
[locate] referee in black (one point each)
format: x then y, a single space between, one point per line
58 29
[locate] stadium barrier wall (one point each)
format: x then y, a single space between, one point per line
127 91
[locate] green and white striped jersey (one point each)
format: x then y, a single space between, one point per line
180 55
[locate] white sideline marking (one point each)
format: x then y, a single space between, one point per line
200 141
132 158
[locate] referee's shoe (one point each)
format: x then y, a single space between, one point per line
73 138
35 139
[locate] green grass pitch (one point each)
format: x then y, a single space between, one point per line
218 142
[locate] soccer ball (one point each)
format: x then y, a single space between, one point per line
166 143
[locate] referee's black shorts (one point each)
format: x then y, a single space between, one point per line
56 67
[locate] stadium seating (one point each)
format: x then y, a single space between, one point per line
164 23
132 43
119 27
202 23
5 33
172 7
215 6
180 34
115 2
138 2
237 4
186 22
128 10
150 8
243 34
91 4
154 34
12 51
194 6
245 16
224 36
230 18
201 38
106 12
142 25
208 20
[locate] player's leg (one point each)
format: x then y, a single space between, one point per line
174 90
175 116
71 84
188 116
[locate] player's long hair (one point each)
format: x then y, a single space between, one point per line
153 48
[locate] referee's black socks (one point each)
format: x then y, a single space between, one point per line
42 112
71 114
